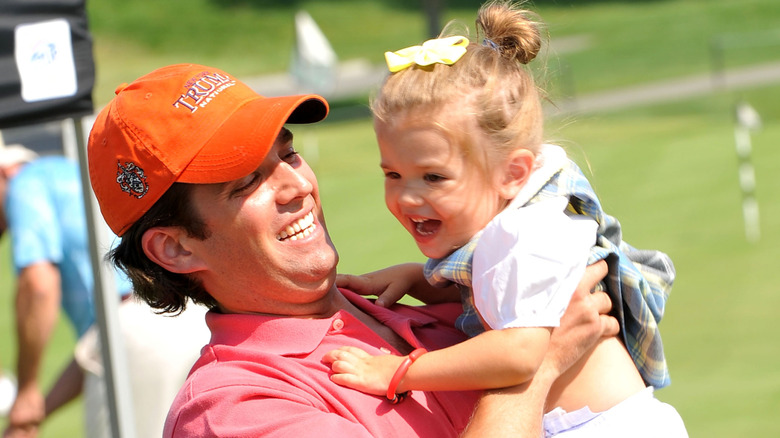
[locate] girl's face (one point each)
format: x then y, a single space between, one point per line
438 195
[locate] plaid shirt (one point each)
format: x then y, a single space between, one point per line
638 282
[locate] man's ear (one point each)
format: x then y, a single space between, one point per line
167 247
517 169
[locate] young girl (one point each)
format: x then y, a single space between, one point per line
513 222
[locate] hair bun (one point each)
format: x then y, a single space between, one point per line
510 30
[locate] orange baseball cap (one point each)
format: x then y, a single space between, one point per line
183 123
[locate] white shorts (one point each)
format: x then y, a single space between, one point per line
641 415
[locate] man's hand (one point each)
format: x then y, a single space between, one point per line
585 322
26 414
517 411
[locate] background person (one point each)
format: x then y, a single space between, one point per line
42 206
214 205
43 209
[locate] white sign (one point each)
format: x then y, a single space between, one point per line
44 57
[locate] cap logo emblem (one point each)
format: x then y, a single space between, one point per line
131 180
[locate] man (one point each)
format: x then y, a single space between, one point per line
198 175
43 208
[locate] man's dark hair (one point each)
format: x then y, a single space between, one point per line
160 288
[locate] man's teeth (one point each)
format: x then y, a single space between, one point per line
300 229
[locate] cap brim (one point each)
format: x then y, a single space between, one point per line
239 146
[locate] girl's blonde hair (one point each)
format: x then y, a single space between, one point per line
491 78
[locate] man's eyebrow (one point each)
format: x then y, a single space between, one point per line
286 135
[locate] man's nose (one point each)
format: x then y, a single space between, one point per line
291 183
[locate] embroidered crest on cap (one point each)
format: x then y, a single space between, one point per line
131 180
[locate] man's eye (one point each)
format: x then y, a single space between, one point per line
247 185
290 156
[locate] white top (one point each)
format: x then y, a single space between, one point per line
529 259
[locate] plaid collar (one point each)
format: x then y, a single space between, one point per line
454 268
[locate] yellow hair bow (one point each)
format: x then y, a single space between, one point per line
441 50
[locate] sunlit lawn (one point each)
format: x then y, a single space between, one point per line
668 172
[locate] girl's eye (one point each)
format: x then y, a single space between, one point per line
392 175
432 177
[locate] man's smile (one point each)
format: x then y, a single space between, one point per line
298 229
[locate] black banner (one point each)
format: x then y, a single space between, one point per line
46 67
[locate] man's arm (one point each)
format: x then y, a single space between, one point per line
517 411
512 412
68 386
37 309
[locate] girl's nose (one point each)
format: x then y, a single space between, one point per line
409 195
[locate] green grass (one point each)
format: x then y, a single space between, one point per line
669 175
630 42
668 172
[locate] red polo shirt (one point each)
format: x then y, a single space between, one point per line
264 376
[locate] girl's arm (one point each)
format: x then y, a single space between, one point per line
585 322
393 283
494 359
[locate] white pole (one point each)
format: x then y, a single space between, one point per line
115 373
314 66
747 120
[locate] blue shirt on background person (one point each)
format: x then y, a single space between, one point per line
42 203
45 212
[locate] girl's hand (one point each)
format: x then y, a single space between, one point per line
356 369
391 284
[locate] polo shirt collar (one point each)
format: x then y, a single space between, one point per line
291 336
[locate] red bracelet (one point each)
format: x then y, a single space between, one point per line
399 375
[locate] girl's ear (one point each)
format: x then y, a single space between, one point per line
167 247
517 169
